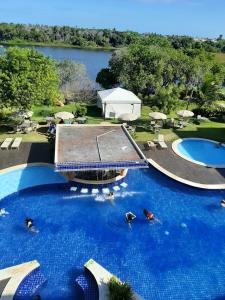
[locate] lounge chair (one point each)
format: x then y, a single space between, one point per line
162 145
200 118
149 145
16 143
161 141
6 143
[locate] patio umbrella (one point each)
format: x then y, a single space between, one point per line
128 117
64 115
185 113
158 116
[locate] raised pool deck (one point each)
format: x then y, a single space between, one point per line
184 171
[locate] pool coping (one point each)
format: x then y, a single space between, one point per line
186 181
102 277
174 147
16 274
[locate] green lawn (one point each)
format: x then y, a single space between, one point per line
212 129
220 57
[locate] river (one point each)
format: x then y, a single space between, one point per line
94 60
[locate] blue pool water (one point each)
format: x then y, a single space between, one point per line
181 258
27 177
203 151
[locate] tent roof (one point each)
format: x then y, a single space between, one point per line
118 95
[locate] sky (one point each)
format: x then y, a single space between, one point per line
198 18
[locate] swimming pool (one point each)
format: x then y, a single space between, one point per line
201 151
181 258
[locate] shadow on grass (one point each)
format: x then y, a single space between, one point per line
42 130
217 134
94 112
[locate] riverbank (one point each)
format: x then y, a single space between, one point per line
55 45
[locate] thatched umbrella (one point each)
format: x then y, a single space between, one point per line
64 115
23 114
158 116
128 117
185 113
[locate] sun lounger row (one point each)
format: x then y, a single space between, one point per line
157 142
9 141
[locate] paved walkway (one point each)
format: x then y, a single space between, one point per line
184 169
27 153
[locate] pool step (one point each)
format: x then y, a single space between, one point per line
89 286
30 285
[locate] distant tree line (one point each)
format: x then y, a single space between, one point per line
102 37
164 76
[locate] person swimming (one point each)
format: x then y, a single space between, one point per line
3 212
111 196
222 203
130 217
29 223
150 216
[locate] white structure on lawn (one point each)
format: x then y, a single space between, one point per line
118 101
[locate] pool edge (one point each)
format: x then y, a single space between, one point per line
185 181
175 143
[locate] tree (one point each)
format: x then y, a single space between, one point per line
74 83
156 72
27 77
106 78
166 98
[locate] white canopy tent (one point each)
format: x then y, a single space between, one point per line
118 101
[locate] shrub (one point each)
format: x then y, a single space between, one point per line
119 290
80 110
210 110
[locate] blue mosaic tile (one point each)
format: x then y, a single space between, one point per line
30 285
89 286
